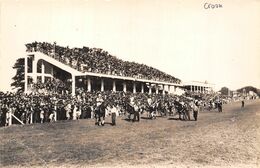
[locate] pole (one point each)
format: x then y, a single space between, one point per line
25 74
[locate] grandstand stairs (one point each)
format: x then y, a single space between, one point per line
40 56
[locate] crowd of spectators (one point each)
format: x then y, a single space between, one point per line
51 85
39 107
99 61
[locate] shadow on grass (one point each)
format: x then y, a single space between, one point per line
146 118
127 119
173 119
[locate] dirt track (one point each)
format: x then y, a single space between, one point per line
228 139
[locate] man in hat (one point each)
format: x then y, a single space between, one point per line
113 114
195 109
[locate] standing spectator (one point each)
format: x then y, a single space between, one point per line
219 106
113 114
136 113
51 117
243 104
8 119
42 115
78 112
195 109
68 111
74 113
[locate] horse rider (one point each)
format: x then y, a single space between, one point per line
99 101
150 107
132 101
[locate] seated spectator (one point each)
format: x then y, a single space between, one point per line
99 61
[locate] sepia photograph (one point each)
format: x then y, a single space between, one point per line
130 83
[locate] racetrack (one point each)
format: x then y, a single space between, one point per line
227 139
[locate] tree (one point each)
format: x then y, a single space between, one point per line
18 79
249 88
224 91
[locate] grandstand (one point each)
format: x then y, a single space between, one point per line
92 69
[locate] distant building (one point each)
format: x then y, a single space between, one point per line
199 87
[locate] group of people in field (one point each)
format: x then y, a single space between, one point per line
215 105
50 107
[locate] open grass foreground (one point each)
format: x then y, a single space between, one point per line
227 139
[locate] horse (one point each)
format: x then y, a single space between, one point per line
186 112
100 113
163 109
151 109
182 110
170 109
131 110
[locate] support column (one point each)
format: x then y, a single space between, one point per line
89 84
43 71
191 88
156 89
25 74
142 88
73 83
169 88
34 70
114 86
124 86
163 90
52 71
31 118
134 87
10 118
102 85
150 88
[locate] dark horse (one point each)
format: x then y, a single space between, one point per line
100 113
152 111
132 111
163 109
182 110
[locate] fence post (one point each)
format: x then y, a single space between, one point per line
10 118
31 118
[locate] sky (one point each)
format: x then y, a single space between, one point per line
179 37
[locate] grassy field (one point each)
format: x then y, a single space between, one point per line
228 139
